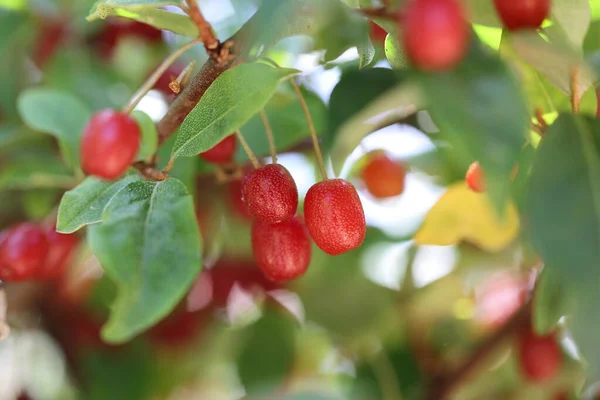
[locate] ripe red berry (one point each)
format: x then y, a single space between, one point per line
384 177
435 33
109 144
61 247
270 193
522 14
377 33
222 152
334 216
540 356
475 178
23 250
282 251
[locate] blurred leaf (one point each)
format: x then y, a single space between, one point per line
13 4
15 38
481 109
583 321
383 99
490 36
287 122
564 198
148 243
483 12
549 302
145 11
268 354
573 16
228 104
84 204
461 214
394 53
57 113
149 135
366 52
36 172
39 203
554 61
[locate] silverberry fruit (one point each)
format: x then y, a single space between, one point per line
540 356
110 142
282 251
222 152
334 216
435 33
474 178
522 14
23 250
238 205
61 248
270 193
384 177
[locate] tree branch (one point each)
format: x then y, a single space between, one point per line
205 31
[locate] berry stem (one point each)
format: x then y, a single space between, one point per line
575 96
205 31
269 131
311 128
247 149
151 81
183 78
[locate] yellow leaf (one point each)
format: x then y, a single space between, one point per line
461 214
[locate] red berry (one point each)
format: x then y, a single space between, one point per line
179 328
51 35
235 198
270 193
334 216
107 39
23 250
474 178
61 247
109 144
384 177
522 14
435 33
377 33
222 152
282 251
540 356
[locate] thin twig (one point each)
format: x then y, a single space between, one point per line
205 31
247 149
151 81
149 171
540 118
183 78
311 128
575 95
269 132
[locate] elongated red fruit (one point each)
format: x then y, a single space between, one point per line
540 357
23 250
435 33
282 251
270 193
522 14
110 142
383 177
334 216
61 247
222 152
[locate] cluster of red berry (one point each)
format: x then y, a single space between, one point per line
435 33
31 251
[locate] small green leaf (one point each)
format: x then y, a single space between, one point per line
366 52
549 302
481 109
268 354
145 11
149 244
348 112
574 17
84 204
149 135
228 104
34 173
394 53
564 198
45 110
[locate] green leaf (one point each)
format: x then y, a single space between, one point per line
45 110
394 52
149 244
481 109
36 172
564 198
583 321
287 122
84 204
228 104
349 114
366 52
549 302
268 354
149 135
145 11
483 12
574 17
554 61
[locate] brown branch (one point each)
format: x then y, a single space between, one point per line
149 171
205 31
575 95
443 387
